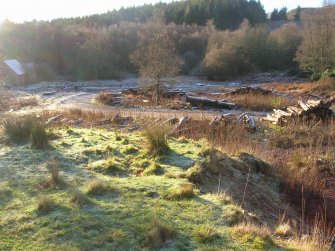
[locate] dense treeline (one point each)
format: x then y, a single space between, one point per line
217 39
93 52
226 14
248 49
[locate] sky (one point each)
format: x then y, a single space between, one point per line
27 10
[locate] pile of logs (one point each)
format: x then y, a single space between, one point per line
312 110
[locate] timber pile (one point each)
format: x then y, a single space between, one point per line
312 110
205 102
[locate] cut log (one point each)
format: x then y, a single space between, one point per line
312 110
303 105
198 101
281 112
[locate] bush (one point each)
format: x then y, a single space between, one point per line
159 233
156 139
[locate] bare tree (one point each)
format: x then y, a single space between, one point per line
156 57
316 53
327 3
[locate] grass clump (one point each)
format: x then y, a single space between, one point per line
233 214
130 150
184 191
79 199
255 237
153 169
97 188
55 181
158 234
18 129
205 233
39 136
45 205
156 140
111 165
283 230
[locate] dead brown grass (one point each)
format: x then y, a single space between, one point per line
148 102
105 98
5 99
259 102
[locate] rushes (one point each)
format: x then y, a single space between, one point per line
23 128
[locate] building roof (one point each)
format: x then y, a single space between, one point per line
15 66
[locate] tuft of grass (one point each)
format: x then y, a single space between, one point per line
184 191
45 205
283 230
56 181
130 150
233 214
113 166
205 233
255 237
18 129
39 136
97 188
153 169
79 199
195 174
158 234
156 139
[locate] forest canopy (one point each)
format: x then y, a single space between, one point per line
215 38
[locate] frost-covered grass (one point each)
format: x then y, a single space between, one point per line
108 209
